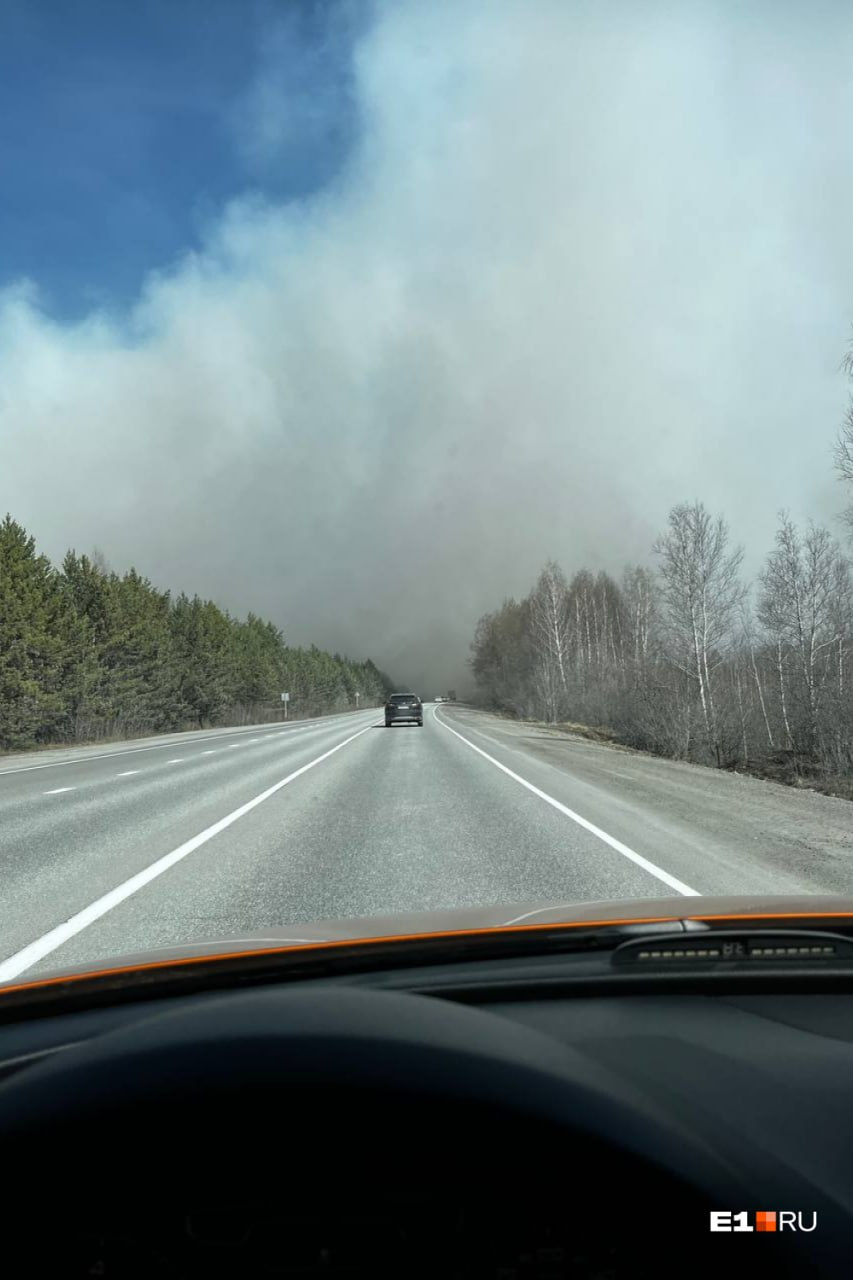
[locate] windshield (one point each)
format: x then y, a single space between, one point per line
582 273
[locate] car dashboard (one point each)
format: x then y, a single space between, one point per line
394 1234
505 1120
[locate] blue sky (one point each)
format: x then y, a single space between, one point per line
565 263
124 129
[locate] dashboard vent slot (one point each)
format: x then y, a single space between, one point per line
760 947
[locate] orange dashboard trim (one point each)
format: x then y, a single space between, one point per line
338 943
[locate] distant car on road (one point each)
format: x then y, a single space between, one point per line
438 698
403 706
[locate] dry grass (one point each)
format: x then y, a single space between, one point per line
592 732
780 769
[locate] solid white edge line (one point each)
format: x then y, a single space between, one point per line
170 746
62 933
657 872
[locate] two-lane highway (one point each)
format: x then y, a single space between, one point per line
216 835
77 825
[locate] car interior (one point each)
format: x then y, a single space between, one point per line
519 1104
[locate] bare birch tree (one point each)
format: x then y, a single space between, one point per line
748 644
797 607
701 592
638 594
549 620
844 443
675 661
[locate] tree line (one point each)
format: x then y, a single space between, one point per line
87 653
685 658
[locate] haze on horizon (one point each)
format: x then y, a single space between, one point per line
451 289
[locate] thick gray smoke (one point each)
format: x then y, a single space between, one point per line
586 261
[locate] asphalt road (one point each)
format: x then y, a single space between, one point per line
202 836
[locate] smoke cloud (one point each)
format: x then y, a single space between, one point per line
582 262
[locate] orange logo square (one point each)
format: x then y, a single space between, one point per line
765 1221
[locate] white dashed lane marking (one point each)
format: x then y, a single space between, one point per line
129 773
69 928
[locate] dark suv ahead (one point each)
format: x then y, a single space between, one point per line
403 706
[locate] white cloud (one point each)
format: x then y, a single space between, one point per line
586 261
